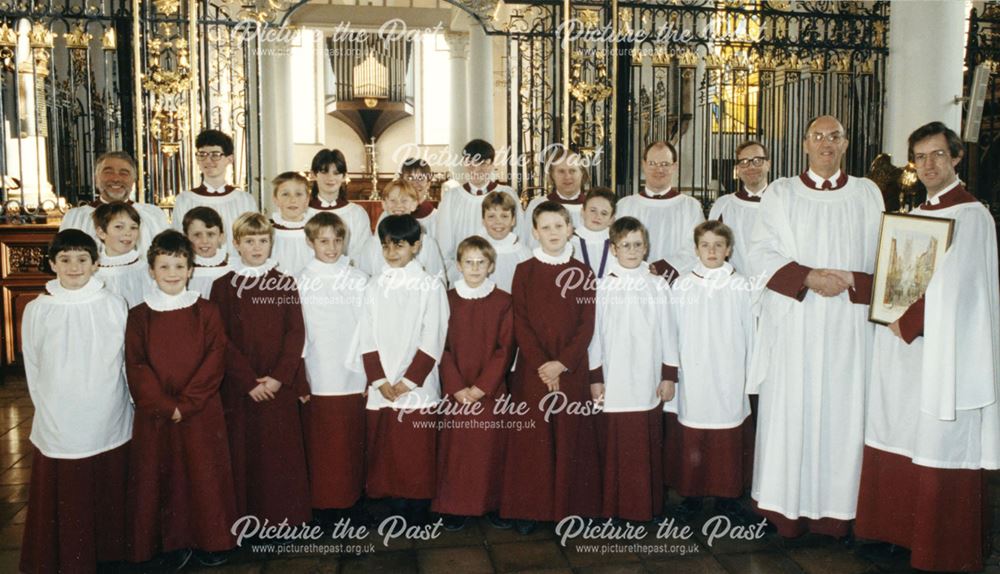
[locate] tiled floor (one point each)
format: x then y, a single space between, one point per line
477 549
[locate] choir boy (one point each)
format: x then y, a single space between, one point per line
332 291
181 496
628 376
551 469
709 440
569 179
329 193
73 340
260 394
476 358
460 211
400 198
205 228
417 173
398 345
591 244
120 266
499 221
669 215
739 210
214 154
291 197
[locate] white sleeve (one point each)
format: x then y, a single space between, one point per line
181 207
669 325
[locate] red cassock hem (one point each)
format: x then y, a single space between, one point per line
401 454
708 462
630 454
335 449
76 512
470 463
940 514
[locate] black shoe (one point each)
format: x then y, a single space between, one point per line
499 523
731 508
211 559
453 523
180 559
686 510
525 527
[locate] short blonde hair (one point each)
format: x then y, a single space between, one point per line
504 201
252 223
322 220
478 243
403 186
287 176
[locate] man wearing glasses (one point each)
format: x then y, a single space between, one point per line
814 244
214 154
114 178
739 210
933 419
670 216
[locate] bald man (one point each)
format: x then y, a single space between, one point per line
814 243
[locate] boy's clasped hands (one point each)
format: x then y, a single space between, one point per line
549 373
266 388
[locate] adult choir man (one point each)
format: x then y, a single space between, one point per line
933 419
670 216
739 210
114 176
814 242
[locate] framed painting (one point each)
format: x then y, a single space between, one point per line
909 249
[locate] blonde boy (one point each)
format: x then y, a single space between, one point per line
401 198
499 221
591 244
332 293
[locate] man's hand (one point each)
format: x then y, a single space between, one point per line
826 283
894 327
666 390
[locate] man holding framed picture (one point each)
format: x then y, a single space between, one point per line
933 419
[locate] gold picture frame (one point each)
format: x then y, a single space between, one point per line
909 249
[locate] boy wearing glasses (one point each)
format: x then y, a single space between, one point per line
739 210
668 214
709 439
214 155
628 375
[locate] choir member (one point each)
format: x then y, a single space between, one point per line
291 197
401 198
591 244
121 267
739 210
204 227
567 175
329 193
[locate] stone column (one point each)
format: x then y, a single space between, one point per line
922 77
480 106
458 45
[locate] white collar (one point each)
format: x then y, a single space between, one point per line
713 274
277 218
64 295
213 261
262 269
320 268
105 260
818 180
466 292
591 236
560 259
412 268
570 198
652 193
757 193
620 271
160 301
214 190
505 245
326 204
937 198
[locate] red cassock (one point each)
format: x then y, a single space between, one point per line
708 462
180 479
477 352
551 469
335 438
266 337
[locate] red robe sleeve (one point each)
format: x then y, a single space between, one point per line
862 291
790 281
143 382
206 380
293 340
528 345
421 366
451 378
911 322
574 353
238 369
493 371
669 373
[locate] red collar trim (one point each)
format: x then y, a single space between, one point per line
554 196
489 187
315 203
808 182
669 195
745 196
202 190
99 202
956 196
424 210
